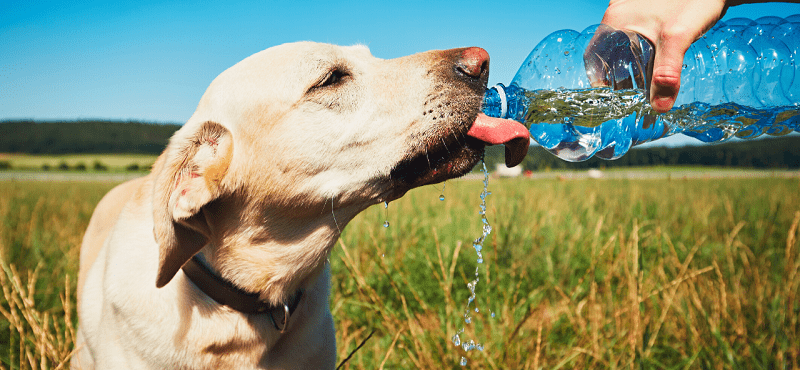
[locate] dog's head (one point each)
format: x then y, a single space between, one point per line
291 143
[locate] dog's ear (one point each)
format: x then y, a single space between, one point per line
189 176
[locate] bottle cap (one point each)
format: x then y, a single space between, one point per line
501 92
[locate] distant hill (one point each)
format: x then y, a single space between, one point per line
84 136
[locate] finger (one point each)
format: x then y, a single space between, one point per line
666 78
665 87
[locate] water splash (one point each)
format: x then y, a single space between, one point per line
477 244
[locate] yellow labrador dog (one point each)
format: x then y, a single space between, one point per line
218 258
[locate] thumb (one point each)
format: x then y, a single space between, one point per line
666 79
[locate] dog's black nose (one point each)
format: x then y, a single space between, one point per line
473 62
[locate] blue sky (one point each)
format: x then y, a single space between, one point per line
152 60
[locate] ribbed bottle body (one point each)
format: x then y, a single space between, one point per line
585 93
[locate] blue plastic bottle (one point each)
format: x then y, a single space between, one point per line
585 93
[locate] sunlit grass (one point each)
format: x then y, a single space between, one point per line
90 162
579 274
41 227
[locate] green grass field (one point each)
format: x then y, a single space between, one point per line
112 162
648 274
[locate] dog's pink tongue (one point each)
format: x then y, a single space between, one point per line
495 131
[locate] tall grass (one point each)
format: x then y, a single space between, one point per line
579 274
584 274
41 227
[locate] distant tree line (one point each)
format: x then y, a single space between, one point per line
98 136
84 136
771 152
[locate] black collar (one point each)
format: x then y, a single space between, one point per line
225 293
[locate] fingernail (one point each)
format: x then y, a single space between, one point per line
662 103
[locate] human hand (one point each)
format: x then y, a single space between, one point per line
672 26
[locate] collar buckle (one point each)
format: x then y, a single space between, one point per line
286 312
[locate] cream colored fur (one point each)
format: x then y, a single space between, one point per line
283 150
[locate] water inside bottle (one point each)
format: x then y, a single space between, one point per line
576 124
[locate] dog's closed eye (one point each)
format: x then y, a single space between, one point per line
334 77
332 91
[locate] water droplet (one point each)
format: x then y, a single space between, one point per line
558 71
463 361
479 347
386 214
456 340
468 320
468 346
492 314
477 310
441 197
566 52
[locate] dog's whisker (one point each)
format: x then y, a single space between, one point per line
463 138
428 157
325 203
461 141
333 214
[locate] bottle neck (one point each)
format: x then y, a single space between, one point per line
495 102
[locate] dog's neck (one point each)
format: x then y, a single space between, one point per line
227 294
272 253
268 247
